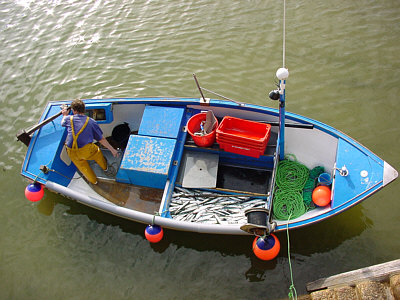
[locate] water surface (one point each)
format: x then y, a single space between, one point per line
344 71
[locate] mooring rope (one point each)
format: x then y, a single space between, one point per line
291 175
288 203
292 290
291 178
294 186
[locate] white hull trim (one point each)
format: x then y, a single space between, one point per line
233 229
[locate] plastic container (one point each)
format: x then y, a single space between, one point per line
245 144
242 150
243 137
193 126
244 130
324 179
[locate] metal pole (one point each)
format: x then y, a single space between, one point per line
282 83
198 86
282 120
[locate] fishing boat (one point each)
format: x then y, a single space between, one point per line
204 165
164 175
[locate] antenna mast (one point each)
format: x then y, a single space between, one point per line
284 33
282 75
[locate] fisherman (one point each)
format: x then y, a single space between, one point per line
82 130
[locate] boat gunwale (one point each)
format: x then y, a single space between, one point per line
194 102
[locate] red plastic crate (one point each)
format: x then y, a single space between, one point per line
241 149
244 143
243 136
244 130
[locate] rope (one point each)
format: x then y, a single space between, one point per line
294 186
288 203
310 185
51 170
292 290
291 178
291 175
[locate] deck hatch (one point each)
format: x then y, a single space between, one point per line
200 170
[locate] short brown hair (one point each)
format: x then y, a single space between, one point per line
78 106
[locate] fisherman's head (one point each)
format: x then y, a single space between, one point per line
78 106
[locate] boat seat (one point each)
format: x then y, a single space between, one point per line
162 122
148 156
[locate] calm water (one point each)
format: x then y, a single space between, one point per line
344 64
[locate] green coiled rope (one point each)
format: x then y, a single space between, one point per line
293 190
291 176
288 203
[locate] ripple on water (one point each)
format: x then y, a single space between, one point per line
344 70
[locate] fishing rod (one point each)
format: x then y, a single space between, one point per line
198 86
219 95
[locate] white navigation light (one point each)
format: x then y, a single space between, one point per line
282 73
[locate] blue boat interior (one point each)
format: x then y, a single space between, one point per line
368 173
152 157
159 155
149 155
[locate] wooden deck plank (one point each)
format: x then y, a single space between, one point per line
143 199
380 272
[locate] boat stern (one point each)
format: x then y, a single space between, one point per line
46 158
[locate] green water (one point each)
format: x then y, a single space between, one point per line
344 71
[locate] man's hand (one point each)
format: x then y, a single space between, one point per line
106 144
114 152
65 110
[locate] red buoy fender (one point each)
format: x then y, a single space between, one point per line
34 192
321 195
266 248
154 233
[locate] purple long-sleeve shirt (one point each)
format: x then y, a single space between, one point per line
90 133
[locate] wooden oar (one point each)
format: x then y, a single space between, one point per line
25 135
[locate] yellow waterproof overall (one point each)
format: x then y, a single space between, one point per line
80 156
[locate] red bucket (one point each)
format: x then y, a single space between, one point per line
193 126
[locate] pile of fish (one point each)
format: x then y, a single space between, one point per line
204 207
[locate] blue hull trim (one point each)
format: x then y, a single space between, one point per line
366 170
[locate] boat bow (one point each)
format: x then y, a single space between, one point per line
389 174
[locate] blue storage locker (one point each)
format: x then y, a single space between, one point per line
146 161
161 121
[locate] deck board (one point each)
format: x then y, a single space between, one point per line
139 198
